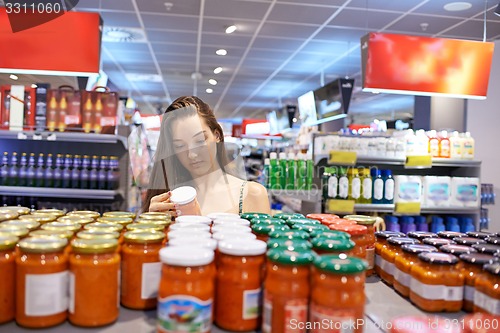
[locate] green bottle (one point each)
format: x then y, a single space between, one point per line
273 171
309 172
324 182
282 163
265 173
301 172
291 172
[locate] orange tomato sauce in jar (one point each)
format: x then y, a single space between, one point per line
262 230
359 235
369 223
324 245
94 282
403 264
7 277
240 273
338 294
471 266
389 254
141 269
436 284
286 293
41 282
381 242
186 293
487 294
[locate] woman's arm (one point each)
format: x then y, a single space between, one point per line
256 199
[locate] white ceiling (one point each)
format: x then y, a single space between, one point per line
282 48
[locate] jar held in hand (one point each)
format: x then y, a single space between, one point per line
185 198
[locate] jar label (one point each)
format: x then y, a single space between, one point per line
402 277
251 303
294 314
389 189
487 303
356 188
71 284
332 187
387 267
46 294
370 257
343 187
469 293
437 292
378 261
267 313
151 275
182 313
367 188
327 320
378 189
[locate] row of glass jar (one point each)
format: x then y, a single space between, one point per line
448 271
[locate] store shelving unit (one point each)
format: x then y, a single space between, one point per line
301 201
44 192
389 208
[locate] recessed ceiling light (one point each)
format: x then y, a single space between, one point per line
123 34
221 52
13 77
209 90
217 70
457 6
34 86
231 29
212 82
137 77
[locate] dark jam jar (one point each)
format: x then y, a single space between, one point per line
490 249
468 241
437 242
457 250
480 234
421 235
471 266
450 234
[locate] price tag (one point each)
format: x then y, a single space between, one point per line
21 136
407 208
341 206
418 161
37 136
342 157
52 137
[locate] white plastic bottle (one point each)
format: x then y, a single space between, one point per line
468 142
456 146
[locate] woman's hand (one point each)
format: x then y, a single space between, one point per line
161 203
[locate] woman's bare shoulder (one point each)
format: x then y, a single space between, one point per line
255 189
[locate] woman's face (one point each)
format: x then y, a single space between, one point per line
195 145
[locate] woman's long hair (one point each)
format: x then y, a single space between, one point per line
166 160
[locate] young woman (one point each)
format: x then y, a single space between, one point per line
191 151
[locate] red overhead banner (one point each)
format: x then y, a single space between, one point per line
415 65
69 44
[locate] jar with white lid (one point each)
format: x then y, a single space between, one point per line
221 216
208 243
190 226
242 222
185 197
185 218
229 235
240 272
231 228
186 292
182 233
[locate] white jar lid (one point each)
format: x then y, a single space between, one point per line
217 216
228 234
242 247
186 256
231 228
189 226
183 195
188 233
232 222
208 243
193 219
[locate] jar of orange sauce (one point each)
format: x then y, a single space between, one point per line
262 230
324 245
487 294
403 264
141 269
359 235
119 214
471 266
381 242
28 224
238 284
41 282
369 223
186 292
8 277
389 255
436 285
338 293
94 266
286 293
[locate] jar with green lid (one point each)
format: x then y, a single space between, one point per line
8 277
41 282
289 234
286 293
472 266
82 220
262 230
487 293
119 214
85 213
325 245
41 218
338 292
330 234
16 209
291 244
287 216
30 225
94 266
14 231
115 220
310 228
268 220
51 211
7 215
67 226
303 220
369 223
141 269
250 216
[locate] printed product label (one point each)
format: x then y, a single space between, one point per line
181 313
46 294
108 121
389 189
295 311
409 191
439 192
326 320
370 257
469 293
251 303
343 187
467 192
387 267
436 292
378 189
72 120
151 275
267 313
487 303
378 260
333 183
367 188
402 277
445 148
356 188
71 305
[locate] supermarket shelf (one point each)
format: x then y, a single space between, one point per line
313 195
437 162
57 192
389 208
64 137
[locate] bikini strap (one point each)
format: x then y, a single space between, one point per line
241 197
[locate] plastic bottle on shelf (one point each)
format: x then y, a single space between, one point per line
422 143
85 172
421 223
265 172
13 170
58 171
40 171
273 171
309 171
437 224
291 173
102 173
468 225
63 110
113 177
390 147
444 145
452 224
301 171
433 149
94 170
49 171
354 185
333 183
282 164
343 184
391 223
388 187
410 142
52 114
469 146
4 169
407 224
324 182
75 172
366 186
67 171
378 187
30 171
456 146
